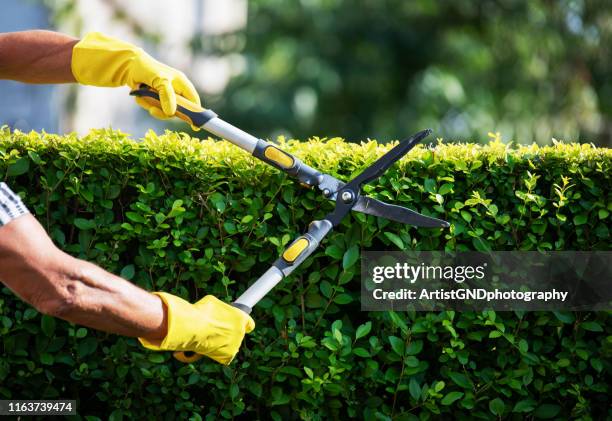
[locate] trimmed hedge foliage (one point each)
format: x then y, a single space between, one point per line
192 218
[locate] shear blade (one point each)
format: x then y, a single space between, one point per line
397 213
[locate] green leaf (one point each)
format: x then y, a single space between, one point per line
343 299
135 217
363 330
414 347
326 289
397 321
350 256
451 397
430 185
345 277
35 157
116 415
128 272
84 224
87 195
547 411
414 389
480 244
395 240
278 397
6 322
87 346
337 335
29 314
581 219
334 251
526 405
591 326
122 371
495 334
445 188
596 364
47 325
19 167
497 406
47 359
209 253
193 378
229 227
564 316
460 379
234 391
398 345
156 358
411 361
218 201
361 352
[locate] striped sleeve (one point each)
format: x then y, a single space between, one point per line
11 206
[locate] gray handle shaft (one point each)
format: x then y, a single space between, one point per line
259 289
226 131
317 230
260 149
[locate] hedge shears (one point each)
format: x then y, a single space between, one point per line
347 196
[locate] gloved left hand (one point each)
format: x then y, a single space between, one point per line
100 60
209 327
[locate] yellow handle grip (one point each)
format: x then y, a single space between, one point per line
280 158
294 251
186 110
187 356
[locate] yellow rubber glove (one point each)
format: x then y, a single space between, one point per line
209 327
100 60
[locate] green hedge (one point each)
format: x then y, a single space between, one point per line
194 218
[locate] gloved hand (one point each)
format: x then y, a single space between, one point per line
209 327
100 60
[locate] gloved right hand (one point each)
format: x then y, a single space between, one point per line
100 60
209 327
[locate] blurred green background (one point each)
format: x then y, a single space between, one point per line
383 69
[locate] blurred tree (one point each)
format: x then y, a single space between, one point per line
386 68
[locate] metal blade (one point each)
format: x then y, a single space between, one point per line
330 185
397 213
383 163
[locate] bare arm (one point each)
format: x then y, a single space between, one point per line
74 290
36 56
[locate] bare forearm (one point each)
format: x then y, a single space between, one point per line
36 56
107 302
72 289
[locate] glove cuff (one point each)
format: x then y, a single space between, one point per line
179 313
99 60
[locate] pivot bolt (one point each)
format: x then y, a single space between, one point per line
347 196
326 192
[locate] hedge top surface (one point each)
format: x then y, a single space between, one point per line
328 153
